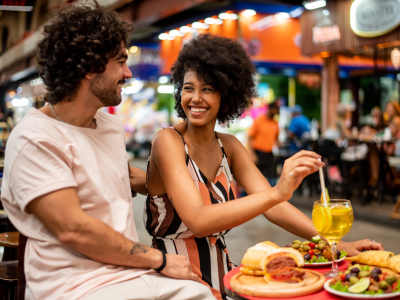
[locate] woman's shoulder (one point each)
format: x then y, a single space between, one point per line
229 142
167 137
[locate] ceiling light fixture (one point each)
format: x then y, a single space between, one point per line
310 5
228 16
248 13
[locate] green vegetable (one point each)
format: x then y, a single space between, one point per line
390 280
383 285
364 273
339 287
353 279
315 239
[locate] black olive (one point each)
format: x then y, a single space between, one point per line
347 277
375 277
307 256
338 253
376 271
355 270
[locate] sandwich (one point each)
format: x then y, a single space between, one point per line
251 261
273 262
379 258
268 270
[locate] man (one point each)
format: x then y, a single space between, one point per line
263 136
299 126
66 183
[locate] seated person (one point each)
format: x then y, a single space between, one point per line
193 171
299 127
66 179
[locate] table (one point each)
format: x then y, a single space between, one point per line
321 295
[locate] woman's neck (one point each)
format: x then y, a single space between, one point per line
200 135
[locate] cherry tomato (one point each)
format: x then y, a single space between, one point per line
311 252
312 245
394 285
343 277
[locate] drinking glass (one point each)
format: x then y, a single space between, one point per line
332 221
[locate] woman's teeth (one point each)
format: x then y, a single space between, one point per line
195 109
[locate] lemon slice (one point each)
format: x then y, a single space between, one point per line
341 211
360 286
322 218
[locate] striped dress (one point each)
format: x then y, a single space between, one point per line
208 255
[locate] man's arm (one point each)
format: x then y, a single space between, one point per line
137 178
61 214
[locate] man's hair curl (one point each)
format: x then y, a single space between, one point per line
78 41
222 63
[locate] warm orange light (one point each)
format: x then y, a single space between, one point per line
325 54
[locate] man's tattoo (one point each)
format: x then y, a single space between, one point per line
138 248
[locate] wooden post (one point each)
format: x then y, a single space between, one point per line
330 92
292 91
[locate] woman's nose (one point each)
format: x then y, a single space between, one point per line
196 96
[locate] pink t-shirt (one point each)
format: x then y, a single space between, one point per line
45 155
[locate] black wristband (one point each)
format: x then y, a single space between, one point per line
163 264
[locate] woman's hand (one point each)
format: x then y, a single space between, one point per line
295 169
354 248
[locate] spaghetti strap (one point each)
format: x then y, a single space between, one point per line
220 144
184 144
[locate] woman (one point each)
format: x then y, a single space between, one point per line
193 170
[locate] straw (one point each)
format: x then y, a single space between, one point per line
323 190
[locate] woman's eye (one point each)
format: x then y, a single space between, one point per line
187 88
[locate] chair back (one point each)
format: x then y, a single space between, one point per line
21 272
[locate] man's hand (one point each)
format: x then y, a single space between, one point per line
179 267
137 178
354 248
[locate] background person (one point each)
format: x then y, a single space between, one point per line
193 170
263 137
66 183
299 127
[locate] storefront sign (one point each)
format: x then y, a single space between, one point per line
325 34
371 18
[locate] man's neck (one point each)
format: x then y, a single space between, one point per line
78 111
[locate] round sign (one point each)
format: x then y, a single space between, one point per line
370 18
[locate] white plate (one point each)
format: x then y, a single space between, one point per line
357 296
322 264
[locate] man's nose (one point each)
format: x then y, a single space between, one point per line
127 72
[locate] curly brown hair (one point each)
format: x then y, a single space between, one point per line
78 41
222 63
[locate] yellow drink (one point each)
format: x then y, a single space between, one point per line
333 221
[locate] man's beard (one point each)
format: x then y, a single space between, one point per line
107 95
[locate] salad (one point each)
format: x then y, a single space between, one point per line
368 280
316 251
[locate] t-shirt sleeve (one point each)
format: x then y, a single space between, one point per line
38 169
